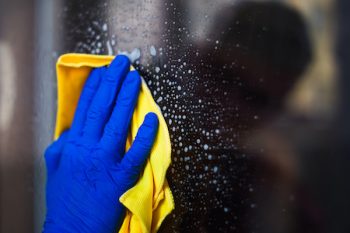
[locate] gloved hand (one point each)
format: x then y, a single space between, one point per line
87 167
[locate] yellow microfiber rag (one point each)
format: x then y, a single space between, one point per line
150 200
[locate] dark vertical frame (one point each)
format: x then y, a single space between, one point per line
341 191
16 139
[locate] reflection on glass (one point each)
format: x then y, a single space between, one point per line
222 74
249 90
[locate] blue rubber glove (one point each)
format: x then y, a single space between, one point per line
87 167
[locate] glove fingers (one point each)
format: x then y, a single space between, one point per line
116 130
135 158
104 100
53 152
85 99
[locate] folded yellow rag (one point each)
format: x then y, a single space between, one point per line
150 200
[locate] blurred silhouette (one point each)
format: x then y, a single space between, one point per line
253 57
268 48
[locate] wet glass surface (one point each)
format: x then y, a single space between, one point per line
221 73
248 90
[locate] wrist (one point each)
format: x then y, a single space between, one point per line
83 224
63 225
51 227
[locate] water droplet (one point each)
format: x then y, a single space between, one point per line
153 51
104 27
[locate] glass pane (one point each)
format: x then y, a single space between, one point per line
253 93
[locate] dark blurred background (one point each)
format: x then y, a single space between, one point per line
255 94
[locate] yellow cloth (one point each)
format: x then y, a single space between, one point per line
150 200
